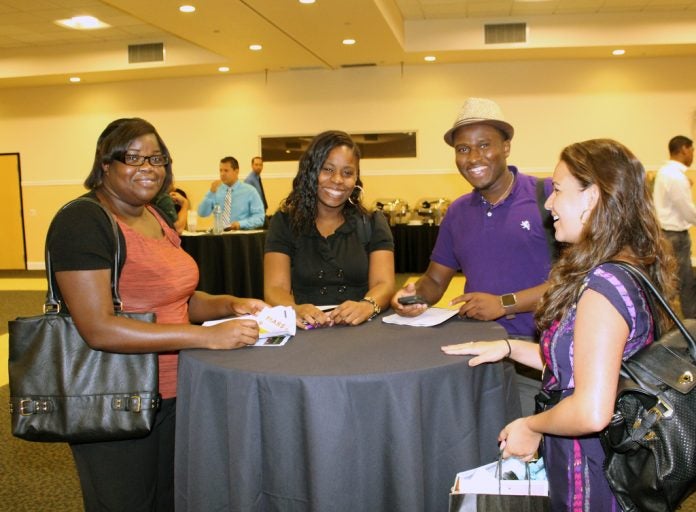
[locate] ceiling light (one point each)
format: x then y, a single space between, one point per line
82 23
223 69
307 1
75 79
187 8
348 42
430 58
618 52
255 47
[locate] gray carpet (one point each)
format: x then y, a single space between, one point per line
34 477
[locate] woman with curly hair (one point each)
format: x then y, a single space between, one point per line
593 316
323 248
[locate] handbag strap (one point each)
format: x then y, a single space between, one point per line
653 295
53 304
650 290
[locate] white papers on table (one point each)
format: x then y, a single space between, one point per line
429 318
276 322
242 231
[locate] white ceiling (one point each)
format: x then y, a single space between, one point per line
36 51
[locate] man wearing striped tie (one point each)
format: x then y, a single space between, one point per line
241 205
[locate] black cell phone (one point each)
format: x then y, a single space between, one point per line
411 299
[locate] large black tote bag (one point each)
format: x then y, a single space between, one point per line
650 443
62 390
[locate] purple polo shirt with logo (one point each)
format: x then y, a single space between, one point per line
499 249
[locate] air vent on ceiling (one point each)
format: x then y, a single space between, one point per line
152 52
506 33
362 65
306 68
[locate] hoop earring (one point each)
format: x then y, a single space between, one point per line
583 218
359 198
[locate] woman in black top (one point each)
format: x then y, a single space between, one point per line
323 248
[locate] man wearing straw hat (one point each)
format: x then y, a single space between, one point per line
495 235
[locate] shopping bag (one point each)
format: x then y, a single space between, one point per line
508 485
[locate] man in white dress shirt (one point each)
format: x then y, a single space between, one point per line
677 213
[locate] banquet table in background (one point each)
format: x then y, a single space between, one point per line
412 247
229 263
367 418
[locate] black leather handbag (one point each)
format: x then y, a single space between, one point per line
62 390
650 443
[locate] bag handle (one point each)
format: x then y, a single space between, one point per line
647 285
52 304
499 474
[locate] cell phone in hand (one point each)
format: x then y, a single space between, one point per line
411 299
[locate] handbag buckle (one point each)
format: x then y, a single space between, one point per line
135 403
51 308
662 409
27 407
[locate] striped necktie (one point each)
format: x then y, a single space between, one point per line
227 208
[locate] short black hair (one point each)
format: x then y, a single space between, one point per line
113 143
678 142
230 160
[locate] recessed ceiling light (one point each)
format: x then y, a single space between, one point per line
223 69
618 52
430 58
307 1
255 47
348 41
75 79
82 23
187 8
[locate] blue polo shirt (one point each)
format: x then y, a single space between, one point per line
499 249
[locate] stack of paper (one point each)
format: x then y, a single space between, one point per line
429 318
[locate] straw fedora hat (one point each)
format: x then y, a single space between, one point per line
480 111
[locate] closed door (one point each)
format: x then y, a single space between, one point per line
13 255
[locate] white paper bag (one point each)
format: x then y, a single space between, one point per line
468 485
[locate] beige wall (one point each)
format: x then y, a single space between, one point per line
552 103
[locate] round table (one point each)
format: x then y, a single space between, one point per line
373 417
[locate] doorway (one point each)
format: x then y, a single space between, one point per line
13 254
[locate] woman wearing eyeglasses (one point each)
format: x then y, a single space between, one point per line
131 165
323 248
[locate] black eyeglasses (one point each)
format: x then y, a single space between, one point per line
138 160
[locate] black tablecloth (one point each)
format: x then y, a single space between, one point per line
368 418
412 247
229 263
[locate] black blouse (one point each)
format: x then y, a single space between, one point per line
330 270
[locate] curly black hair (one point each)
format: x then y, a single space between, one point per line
301 203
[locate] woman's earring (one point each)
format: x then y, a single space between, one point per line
583 217
358 197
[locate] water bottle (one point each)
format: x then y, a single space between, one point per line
218 223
